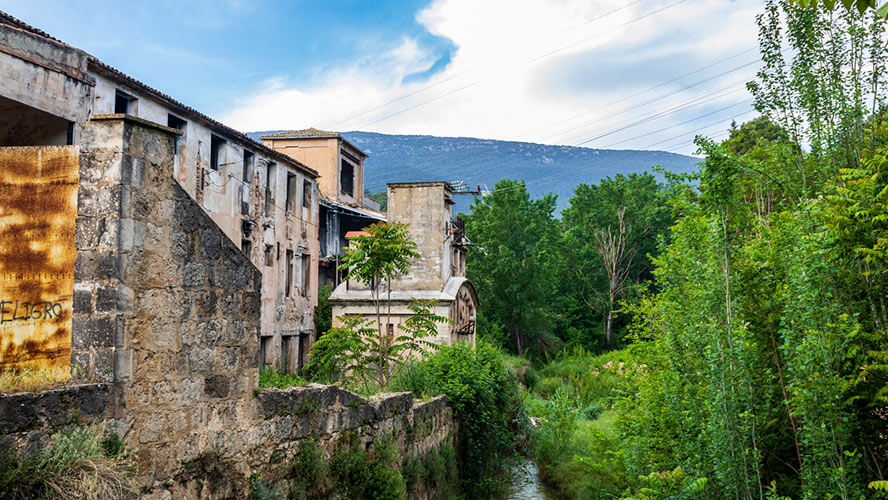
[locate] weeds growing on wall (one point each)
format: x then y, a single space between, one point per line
79 464
30 379
272 378
367 475
437 471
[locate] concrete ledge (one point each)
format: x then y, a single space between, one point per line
26 411
136 119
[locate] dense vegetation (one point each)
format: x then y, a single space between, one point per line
487 406
757 326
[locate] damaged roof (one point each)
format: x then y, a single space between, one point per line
113 73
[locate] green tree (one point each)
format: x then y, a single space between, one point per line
514 238
609 232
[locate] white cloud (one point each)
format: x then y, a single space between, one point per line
490 89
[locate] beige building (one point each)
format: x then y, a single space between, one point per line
265 202
438 274
343 206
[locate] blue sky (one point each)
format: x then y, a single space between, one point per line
557 71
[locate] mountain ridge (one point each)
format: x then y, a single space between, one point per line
544 168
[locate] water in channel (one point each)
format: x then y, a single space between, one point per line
526 484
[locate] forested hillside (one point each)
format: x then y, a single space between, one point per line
755 328
544 168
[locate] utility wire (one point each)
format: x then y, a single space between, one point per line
716 63
439 82
459 89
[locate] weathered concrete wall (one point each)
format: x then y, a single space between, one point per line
44 74
423 208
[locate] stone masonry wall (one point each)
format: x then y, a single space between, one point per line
167 316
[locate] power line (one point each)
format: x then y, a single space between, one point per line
439 82
696 130
654 99
747 101
680 107
423 103
637 93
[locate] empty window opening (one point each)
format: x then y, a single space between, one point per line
306 274
269 255
347 178
291 186
289 283
23 125
216 144
286 346
247 174
177 123
269 188
265 354
306 194
124 103
246 247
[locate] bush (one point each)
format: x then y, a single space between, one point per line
487 405
372 476
308 471
79 464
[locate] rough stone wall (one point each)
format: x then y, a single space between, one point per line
186 313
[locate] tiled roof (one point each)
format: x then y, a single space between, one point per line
312 132
187 110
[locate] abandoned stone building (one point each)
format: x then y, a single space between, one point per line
439 273
343 206
266 203
159 258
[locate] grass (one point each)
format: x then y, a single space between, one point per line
33 379
272 378
589 463
81 463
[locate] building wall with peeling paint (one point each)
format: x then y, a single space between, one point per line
55 89
39 186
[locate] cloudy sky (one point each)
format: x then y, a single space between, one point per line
623 74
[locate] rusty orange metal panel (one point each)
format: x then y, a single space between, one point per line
38 210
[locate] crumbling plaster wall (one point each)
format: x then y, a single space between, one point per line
222 194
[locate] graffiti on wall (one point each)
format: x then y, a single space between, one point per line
38 210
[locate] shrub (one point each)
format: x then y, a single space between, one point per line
78 465
308 471
487 405
358 475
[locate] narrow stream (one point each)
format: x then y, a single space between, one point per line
526 483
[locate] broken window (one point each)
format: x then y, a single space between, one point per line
247 174
291 185
306 194
306 267
216 144
124 103
289 283
269 255
347 178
